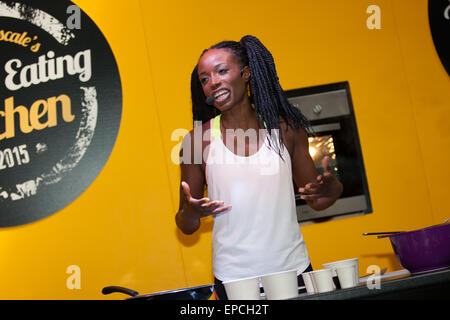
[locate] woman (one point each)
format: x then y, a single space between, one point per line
235 89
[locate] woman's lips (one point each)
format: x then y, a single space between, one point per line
221 95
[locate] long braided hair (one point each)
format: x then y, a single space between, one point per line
266 94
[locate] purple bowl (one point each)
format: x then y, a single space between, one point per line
423 250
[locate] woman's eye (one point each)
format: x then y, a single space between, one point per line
203 80
223 71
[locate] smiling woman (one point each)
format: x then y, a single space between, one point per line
250 194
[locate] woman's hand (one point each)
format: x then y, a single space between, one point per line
191 210
201 207
323 192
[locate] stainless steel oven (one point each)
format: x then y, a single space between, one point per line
329 109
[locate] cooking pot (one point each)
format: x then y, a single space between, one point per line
193 293
422 250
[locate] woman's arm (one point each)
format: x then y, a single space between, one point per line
193 205
319 191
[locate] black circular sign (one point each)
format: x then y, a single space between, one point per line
60 110
439 18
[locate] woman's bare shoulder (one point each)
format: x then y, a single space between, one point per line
199 132
293 137
292 132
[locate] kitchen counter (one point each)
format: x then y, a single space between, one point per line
432 285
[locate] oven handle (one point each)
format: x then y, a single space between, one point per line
327 127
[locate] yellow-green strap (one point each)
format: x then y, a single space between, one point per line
216 126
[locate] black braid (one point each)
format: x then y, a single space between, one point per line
268 96
201 111
266 93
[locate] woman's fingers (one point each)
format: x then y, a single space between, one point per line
205 206
311 187
311 191
221 210
212 204
201 201
310 196
188 196
325 166
186 190
217 210
208 208
214 207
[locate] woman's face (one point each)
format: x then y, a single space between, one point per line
219 73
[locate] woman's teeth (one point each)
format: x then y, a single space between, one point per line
221 95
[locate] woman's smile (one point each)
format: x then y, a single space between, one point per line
221 95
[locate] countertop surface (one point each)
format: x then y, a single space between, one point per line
430 285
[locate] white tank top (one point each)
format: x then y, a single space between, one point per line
260 234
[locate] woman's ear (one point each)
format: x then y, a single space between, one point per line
245 73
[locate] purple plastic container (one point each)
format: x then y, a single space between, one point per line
423 250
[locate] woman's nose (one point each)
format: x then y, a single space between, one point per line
215 81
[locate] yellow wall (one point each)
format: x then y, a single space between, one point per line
121 230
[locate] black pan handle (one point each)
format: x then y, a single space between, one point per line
380 233
112 289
